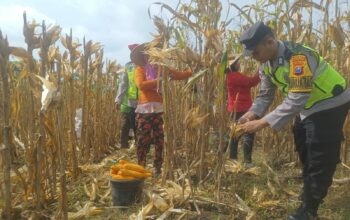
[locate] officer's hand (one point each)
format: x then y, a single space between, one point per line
247 117
254 126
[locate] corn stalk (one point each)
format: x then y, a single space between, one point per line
6 147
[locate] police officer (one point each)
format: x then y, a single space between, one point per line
126 98
314 93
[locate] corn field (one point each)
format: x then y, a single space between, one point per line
57 77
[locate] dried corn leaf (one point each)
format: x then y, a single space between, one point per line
346 166
163 57
244 206
19 52
192 80
178 193
24 73
306 4
94 187
143 213
274 174
302 36
53 54
270 203
342 181
233 166
95 47
86 211
64 41
165 214
194 119
255 191
254 170
236 130
337 34
291 193
53 34
179 16
159 202
273 190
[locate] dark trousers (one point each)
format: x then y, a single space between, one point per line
128 122
317 140
150 131
248 140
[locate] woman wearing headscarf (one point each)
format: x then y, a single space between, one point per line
149 110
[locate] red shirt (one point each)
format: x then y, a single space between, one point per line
238 87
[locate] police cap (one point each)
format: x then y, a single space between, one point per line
252 36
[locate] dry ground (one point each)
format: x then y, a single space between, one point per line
266 192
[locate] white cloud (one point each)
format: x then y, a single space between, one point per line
11 21
114 23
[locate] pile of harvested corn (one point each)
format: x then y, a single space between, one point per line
125 170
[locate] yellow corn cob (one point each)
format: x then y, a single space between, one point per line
132 173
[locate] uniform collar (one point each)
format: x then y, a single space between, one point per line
280 57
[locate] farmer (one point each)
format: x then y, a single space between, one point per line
150 107
126 99
315 93
239 101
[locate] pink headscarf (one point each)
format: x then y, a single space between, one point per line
132 46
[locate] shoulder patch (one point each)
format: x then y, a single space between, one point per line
300 75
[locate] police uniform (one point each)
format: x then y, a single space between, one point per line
317 96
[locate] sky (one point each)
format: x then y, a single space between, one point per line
114 23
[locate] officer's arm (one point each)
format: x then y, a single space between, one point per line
283 113
295 101
122 88
265 97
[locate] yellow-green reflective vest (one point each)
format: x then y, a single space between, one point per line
132 89
132 93
327 84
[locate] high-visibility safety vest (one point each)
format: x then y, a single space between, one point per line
132 89
295 75
132 93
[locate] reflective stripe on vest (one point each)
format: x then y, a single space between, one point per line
327 84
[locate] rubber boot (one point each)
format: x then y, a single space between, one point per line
305 212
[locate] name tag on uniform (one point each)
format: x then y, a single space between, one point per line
280 61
